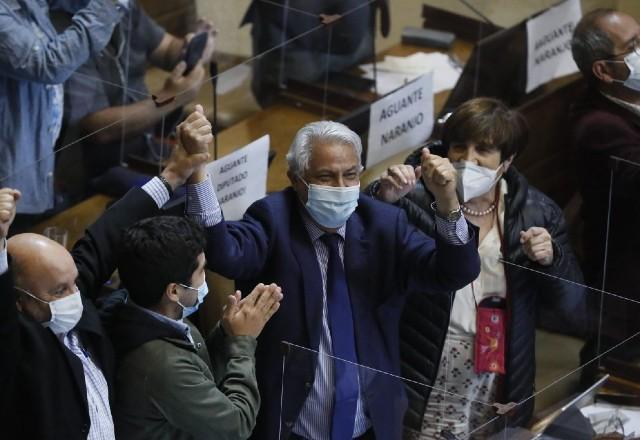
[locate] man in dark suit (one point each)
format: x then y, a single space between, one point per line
57 364
345 263
606 48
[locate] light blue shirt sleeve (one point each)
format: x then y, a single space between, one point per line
202 204
456 233
157 191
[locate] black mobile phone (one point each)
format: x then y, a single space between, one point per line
194 51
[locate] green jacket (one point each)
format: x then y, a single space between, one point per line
170 388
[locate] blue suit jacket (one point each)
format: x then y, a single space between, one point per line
385 258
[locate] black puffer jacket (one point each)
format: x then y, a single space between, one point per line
426 318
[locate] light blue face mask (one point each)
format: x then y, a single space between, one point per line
331 206
203 290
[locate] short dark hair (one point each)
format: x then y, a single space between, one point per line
158 251
487 122
590 43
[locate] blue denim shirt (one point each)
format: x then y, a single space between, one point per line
34 61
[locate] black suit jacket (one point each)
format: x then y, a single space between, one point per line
42 389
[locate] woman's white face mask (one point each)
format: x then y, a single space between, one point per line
474 180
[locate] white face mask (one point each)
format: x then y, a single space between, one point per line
632 61
474 180
203 290
331 206
65 312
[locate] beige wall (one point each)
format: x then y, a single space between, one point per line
228 14
630 6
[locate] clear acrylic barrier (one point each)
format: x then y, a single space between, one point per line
383 401
611 299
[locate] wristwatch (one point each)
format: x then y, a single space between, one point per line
167 185
452 216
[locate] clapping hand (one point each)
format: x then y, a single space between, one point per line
248 316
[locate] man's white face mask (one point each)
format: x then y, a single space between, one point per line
65 312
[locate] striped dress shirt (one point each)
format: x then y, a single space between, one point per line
97 390
314 421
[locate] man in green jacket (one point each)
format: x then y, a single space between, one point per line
171 383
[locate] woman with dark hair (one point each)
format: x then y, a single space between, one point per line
476 346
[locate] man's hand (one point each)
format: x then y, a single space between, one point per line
195 136
397 182
537 245
183 88
206 25
439 176
181 166
247 317
8 199
195 133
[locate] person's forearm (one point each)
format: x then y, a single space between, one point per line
202 202
198 176
137 117
169 52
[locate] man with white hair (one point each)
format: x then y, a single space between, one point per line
345 263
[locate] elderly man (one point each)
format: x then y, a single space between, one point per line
606 48
345 263
57 364
34 62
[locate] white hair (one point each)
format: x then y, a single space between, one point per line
317 133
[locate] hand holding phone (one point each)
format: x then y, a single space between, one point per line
194 51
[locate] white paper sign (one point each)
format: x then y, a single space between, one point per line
240 178
549 43
401 121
